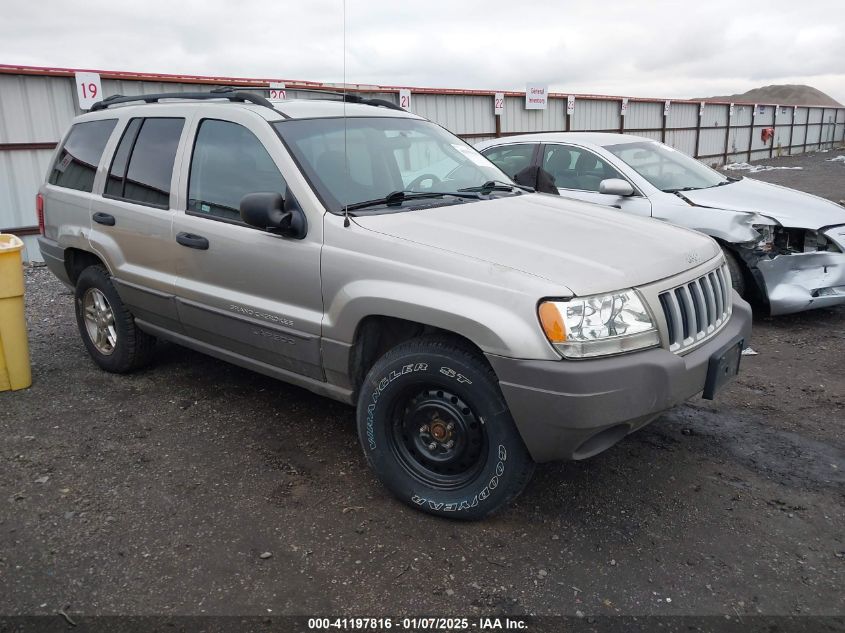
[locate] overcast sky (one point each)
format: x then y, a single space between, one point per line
651 48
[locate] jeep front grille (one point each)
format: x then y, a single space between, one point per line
697 309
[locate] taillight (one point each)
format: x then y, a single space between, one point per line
39 207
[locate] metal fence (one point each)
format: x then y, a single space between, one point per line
37 106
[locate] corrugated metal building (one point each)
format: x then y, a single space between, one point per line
37 106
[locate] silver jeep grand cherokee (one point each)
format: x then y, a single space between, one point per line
369 255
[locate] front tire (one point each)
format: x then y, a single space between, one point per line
737 272
106 326
436 430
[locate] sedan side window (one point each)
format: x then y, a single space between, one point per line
576 168
228 163
511 159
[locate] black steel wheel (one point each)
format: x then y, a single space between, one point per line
436 430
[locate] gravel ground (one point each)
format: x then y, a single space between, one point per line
158 493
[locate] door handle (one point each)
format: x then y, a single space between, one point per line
104 218
192 241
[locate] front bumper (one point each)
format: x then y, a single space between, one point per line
576 409
803 281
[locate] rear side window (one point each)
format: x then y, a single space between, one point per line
143 162
228 163
76 164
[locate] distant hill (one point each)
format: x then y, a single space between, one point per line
783 94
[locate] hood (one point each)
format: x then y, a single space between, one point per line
585 247
789 207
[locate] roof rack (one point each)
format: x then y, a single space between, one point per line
349 97
231 95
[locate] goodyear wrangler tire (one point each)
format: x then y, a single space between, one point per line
437 432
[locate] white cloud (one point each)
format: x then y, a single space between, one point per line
658 48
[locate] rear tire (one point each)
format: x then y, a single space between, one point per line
107 328
737 272
436 430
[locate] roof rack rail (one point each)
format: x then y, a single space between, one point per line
231 95
349 97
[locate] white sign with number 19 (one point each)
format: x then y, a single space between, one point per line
88 89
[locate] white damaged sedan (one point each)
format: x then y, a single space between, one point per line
784 247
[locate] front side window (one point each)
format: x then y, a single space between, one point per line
576 168
666 168
367 158
143 162
76 164
228 163
511 159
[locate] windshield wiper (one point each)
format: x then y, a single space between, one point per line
677 189
396 198
497 185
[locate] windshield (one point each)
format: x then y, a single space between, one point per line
666 168
383 155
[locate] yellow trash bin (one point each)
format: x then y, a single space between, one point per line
15 372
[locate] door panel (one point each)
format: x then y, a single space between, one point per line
249 292
132 220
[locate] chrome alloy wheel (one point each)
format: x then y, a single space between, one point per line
99 321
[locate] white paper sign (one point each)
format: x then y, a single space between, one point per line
570 104
499 103
701 109
666 107
277 90
624 109
794 111
88 89
405 99
731 110
536 96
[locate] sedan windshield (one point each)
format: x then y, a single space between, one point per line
666 168
365 159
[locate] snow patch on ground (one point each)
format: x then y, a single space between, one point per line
753 168
836 159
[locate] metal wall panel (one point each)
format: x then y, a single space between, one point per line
801 115
715 115
813 134
738 140
682 115
595 114
742 115
760 155
35 109
784 115
21 173
682 140
517 119
643 115
712 142
815 115
458 114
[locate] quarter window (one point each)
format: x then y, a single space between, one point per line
511 159
76 164
228 163
576 168
143 162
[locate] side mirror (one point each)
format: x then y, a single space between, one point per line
270 212
616 187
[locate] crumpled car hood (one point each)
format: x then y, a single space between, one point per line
585 247
789 207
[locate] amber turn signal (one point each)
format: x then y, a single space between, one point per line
552 322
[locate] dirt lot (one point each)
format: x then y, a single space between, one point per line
157 493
